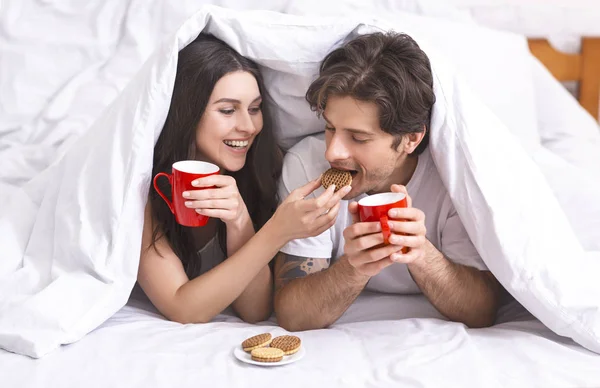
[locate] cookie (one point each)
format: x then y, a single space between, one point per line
258 341
290 344
267 354
336 177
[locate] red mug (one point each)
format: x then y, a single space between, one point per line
376 207
181 178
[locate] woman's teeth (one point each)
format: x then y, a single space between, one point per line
236 143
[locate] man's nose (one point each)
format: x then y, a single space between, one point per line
336 149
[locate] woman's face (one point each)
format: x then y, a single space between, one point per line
231 121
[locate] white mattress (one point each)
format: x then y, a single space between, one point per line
138 348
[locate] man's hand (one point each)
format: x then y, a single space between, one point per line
408 230
364 247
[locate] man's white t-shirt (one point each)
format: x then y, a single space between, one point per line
306 161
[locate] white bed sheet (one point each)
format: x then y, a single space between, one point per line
371 346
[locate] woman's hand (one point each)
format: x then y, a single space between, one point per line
297 217
220 199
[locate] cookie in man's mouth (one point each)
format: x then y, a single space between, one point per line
339 178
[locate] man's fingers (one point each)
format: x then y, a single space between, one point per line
374 268
404 258
361 229
407 227
353 209
363 243
406 213
407 241
402 189
373 255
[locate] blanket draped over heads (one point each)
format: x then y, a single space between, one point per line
71 236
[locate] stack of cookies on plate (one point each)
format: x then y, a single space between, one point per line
265 348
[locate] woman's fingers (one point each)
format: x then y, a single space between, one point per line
337 197
313 204
215 213
220 193
214 180
211 204
303 191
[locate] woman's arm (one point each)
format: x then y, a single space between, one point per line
162 276
255 303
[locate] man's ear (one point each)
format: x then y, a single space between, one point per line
412 140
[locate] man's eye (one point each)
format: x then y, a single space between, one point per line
328 128
361 141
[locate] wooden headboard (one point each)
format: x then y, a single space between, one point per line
583 68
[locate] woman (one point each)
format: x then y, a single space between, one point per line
217 115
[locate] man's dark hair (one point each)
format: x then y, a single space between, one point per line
388 69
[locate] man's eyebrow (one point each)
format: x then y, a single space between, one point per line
234 101
352 130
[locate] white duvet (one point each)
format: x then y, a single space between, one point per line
70 235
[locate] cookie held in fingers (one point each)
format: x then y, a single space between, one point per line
290 344
258 341
267 354
339 178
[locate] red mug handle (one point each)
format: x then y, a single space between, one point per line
170 178
385 229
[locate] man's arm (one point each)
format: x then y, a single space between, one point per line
311 294
461 293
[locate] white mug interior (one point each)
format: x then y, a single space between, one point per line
195 167
381 199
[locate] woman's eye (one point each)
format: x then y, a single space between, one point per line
254 110
328 128
227 111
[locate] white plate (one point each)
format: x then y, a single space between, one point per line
243 356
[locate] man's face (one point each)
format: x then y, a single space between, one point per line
356 143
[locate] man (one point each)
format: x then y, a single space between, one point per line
375 94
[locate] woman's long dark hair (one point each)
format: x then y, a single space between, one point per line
201 64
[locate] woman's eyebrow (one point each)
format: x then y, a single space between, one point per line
234 101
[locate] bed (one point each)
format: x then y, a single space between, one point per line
381 341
